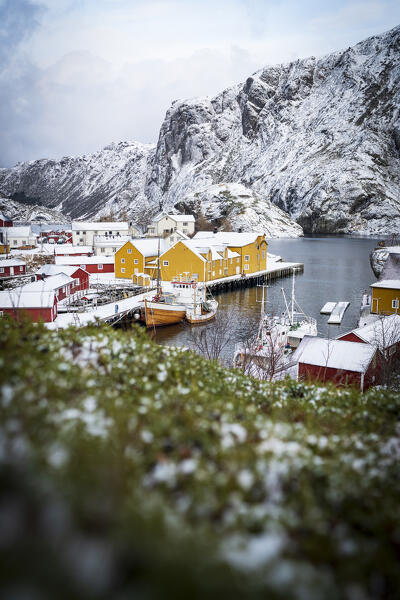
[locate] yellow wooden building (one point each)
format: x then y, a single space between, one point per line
210 258
385 298
138 257
4 248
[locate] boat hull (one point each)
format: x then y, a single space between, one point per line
160 315
196 319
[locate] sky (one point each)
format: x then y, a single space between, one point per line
76 75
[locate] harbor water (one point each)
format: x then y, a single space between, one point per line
336 268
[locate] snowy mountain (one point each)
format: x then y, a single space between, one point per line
318 138
27 213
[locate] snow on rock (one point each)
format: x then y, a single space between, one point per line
318 138
20 212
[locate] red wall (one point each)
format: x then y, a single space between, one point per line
107 268
322 373
17 271
351 337
5 223
35 314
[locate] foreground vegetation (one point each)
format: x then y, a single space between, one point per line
130 470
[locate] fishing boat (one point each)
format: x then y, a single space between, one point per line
276 338
162 310
201 308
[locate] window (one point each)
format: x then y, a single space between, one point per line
247 258
21 268
1 269
220 263
237 260
213 273
123 270
395 303
15 243
114 250
185 224
165 263
136 261
129 250
391 350
263 253
77 232
225 271
231 261
1 313
123 261
83 267
258 257
185 231
102 249
100 267
246 267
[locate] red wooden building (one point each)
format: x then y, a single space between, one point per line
38 306
62 285
11 267
343 363
384 334
5 221
80 276
91 264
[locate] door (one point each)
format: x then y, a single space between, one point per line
11 270
237 270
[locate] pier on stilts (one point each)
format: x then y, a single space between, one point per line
275 271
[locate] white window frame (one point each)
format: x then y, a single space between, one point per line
165 263
129 250
136 261
123 270
247 257
246 267
83 267
1 269
100 266
395 303
122 261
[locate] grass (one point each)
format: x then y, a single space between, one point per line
133 470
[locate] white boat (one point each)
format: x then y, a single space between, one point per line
200 307
269 352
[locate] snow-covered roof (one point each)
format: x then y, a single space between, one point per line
229 238
70 249
18 231
176 218
390 249
384 332
4 218
100 226
20 299
391 284
149 246
11 262
56 269
334 354
84 260
54 282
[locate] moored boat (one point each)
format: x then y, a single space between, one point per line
161 311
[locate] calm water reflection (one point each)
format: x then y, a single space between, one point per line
335 268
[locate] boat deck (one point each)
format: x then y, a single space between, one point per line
338 313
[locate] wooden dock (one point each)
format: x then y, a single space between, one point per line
276 271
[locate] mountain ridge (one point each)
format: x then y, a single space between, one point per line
318 138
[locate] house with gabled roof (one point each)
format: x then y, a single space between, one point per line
164 224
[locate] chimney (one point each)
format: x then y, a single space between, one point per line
215 230
240 230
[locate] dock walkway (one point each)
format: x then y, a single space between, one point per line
108 313
277 270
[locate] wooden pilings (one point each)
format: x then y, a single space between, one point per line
238 282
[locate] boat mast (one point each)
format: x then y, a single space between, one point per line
294 270
158 268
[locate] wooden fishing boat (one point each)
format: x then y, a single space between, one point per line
158 313
202 313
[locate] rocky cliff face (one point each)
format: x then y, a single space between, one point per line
318 138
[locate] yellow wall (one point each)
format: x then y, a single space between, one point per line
382 300
254 251
129 257
4 249
182 262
